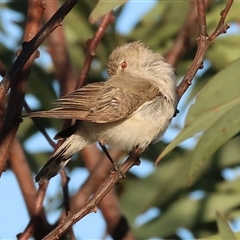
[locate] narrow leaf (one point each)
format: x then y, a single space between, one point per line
220 132
226 232
219 95
102 8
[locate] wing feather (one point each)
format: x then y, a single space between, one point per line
102 102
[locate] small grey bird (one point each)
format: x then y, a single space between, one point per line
131 109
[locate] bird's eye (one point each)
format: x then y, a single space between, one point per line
123 65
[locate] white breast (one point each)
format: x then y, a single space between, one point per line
145 125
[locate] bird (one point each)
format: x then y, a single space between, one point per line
132 108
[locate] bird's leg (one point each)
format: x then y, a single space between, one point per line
115 166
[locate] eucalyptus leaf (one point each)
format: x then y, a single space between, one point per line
103 7
214 137
217 97
188 213
226 232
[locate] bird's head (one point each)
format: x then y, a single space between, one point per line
135 59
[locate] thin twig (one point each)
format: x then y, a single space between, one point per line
222 27
12 120
92 46
57 48
202 24
65 181
39 126
98 171
203 43
28 109
184 38
37 216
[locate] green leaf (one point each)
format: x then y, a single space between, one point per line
217 237
230 152
224 51
226 232
187 212
219 95
229 186
158 187
103 7
213 138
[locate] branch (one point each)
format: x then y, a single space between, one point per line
57 48
92 46
98 171
117 225
37 217
183 40
91 204
28 109
11 120
19 166
202 24
203 43
28 48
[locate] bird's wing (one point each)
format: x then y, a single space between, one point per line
102 102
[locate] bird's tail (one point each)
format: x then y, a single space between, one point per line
61 156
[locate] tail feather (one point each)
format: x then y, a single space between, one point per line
61 157
67 132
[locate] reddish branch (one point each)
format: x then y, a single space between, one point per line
38 224
203 43
33 199
92 46
57 48
12 120
91 204
19 166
